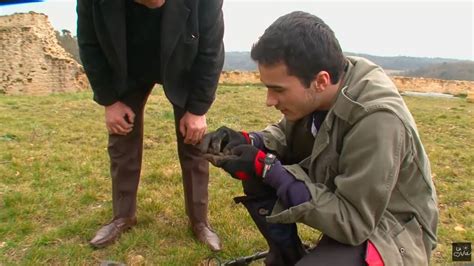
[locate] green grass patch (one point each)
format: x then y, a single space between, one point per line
55 189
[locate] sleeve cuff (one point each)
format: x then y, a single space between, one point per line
104 100
198 108
290 191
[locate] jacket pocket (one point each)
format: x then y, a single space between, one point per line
409 242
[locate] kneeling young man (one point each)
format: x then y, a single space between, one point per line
346 159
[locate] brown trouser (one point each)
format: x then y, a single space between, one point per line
126 158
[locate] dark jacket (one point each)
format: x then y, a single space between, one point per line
368 173
192 51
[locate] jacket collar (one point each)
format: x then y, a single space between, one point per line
351 103
343 107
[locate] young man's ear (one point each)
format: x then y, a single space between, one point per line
321 81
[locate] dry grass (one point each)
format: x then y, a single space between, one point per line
55 186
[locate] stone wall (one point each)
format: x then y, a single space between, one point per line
454 87
31 59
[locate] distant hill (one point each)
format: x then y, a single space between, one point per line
403 63
463 70
240 61
441 68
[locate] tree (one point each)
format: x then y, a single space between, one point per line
69 43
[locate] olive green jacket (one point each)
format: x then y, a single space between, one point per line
367 171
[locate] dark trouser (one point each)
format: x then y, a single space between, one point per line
285 247
125 166
331 252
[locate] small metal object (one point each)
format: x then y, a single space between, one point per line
252 139
263 211
402 251
268 163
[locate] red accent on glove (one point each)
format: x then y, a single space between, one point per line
246 136
259 159
242 175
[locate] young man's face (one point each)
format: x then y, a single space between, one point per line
287 94
151 3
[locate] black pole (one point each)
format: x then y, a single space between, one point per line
242 261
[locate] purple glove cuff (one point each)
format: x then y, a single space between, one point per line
290 191
278 177
297 193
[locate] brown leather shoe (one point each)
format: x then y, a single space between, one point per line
205 234
112 231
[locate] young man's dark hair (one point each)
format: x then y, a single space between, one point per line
296 39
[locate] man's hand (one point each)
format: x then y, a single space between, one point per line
192 127
223 140
245 162
119 118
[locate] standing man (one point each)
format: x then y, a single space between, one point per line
346 159
128 46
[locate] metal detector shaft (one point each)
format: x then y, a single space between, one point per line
242 261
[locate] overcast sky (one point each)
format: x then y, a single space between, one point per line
384 27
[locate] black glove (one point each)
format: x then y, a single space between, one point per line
223 140
245 162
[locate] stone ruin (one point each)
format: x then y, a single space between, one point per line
32 61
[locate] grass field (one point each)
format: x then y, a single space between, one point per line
55 187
